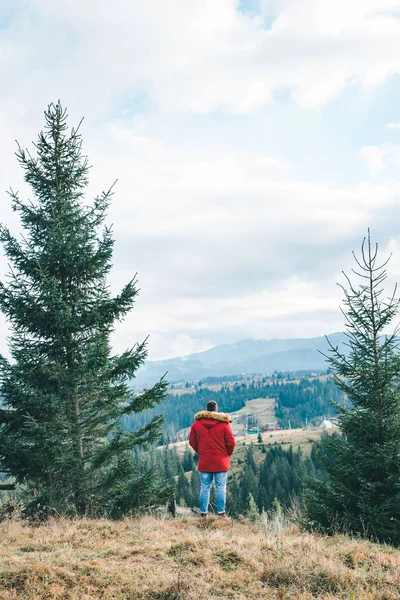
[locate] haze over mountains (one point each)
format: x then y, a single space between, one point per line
246 356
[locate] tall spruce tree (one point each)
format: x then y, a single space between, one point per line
362 493
64 390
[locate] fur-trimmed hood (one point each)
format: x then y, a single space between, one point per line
213 415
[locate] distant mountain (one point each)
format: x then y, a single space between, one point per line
247 356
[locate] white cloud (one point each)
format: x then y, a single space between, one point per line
225 240
163 345
379 158
374 156
202 55
232 251
228 235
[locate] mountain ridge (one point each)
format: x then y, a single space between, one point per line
245 356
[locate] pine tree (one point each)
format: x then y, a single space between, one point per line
188 461
251 508
362 494
249 483
276 509
234 498
250 462
195 487
182 489
64 390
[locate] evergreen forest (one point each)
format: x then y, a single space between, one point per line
269 475
310 399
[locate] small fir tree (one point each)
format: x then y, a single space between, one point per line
188 461
276 509
252 508
233 497
250 462
64 390
362 494
195 487
250 481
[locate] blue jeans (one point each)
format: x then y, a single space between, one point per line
220 486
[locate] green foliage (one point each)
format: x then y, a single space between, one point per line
188 461
279 478
362 494
179 414
215 380
252 508
276 509
308 399
277 482
64 392
182 489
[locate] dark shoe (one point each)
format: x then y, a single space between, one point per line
223 516
204 515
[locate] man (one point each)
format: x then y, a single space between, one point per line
212 438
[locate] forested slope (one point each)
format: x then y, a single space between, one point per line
308 399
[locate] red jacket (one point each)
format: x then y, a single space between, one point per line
212 438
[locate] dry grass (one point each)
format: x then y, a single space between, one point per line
154 559
261 408
296 437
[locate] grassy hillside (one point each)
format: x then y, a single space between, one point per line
291 401
295 437
189 559
262 409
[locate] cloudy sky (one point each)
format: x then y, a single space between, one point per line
254 142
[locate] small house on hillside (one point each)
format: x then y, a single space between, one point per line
326 424
253 430
273 426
